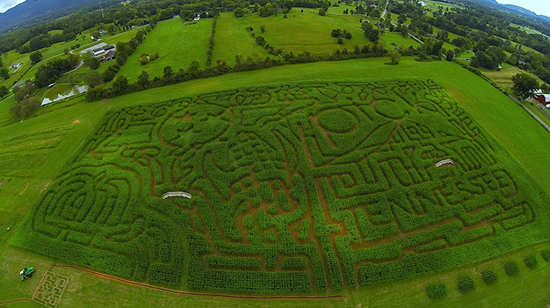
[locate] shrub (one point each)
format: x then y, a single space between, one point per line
489 277
466 284
436 290
530 261
511 268
546 255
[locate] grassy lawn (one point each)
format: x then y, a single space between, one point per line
232 39
396 39
178 45
59 48
500 116
15 57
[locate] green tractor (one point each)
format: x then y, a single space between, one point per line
27 272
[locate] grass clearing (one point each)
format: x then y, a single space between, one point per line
504 76
177 43
396 39
494 111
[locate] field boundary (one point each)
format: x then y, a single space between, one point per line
148 286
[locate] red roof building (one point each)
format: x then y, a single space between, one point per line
544 99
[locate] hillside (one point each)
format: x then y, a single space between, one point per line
34 10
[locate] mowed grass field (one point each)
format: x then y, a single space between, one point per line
522 136
232 39
177 43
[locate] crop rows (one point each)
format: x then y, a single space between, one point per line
296 188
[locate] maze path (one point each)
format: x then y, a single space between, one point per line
299 188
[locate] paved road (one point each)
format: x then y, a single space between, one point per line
531 113
6 98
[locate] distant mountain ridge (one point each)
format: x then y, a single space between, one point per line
515 9
527 12
34 9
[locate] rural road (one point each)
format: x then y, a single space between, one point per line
530 112
6 98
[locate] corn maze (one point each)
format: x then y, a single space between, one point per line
313 187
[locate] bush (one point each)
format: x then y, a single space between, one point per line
489 277
511 268
436 290
466 284
545 255
530 261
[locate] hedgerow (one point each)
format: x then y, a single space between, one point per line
304 187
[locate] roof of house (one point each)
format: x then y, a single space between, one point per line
546 97
110 54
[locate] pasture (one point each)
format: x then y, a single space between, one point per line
177 43
305 31
490 108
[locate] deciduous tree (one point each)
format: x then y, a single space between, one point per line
524 85
93 79
36 57
395 56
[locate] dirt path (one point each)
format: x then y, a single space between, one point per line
24 189
16 300
144 285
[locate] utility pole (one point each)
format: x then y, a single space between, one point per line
101 7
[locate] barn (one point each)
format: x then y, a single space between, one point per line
544 99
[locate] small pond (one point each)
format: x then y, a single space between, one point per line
61 92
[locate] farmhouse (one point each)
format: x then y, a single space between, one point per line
104 53
544 99
99 52
15 66
110 55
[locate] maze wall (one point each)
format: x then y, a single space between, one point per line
298 188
